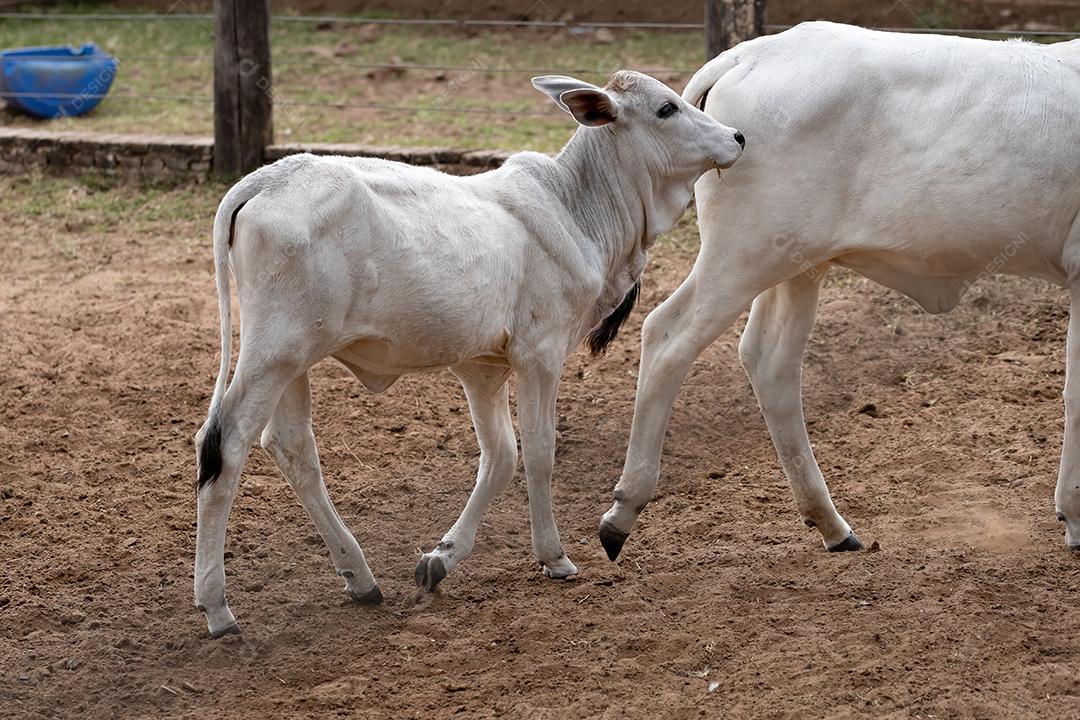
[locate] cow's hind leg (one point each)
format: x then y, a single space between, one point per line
245 409
489 402
771 350
289 440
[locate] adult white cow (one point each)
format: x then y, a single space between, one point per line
920 162
392 269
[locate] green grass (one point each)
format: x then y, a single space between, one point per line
318 65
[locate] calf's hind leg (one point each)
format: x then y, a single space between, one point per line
289 440
244 411
489 403
771 350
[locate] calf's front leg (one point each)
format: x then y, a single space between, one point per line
1067 494
489 402
537 393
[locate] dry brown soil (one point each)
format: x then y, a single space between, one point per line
968 609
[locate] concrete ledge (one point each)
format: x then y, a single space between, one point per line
151 157
189 159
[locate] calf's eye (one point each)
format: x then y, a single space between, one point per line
667 110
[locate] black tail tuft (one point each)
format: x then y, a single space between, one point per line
605 332
209 453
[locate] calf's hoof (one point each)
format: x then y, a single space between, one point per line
373 596
850 544
612 539
430 571
561 569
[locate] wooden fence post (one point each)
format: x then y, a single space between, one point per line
243 92
729 22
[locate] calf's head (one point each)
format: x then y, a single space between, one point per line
655 133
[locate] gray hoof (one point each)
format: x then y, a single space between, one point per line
850 544
233 629
373 596
612 539
430 571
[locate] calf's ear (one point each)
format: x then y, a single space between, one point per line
589 105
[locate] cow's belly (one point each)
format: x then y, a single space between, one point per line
935 292
938 280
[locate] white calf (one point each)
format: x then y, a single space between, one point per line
919 161
392 269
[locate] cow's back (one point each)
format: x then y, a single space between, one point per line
940 149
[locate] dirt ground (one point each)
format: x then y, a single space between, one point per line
722 604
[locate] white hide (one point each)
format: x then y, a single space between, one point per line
393 269
922 162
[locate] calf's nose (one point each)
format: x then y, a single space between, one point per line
740 139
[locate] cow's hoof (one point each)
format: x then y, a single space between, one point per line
850 544
612 539
373 596
430 571
233 629
561 569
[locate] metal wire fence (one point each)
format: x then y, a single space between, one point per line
467 23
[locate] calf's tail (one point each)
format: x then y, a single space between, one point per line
209 446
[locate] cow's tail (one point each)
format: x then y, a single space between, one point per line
697 90
209 445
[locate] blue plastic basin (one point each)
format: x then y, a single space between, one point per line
56 81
